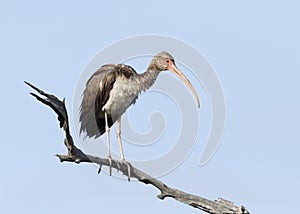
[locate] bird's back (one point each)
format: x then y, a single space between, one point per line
95 96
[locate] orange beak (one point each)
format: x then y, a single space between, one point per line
172 67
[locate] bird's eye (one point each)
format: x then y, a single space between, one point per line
167 61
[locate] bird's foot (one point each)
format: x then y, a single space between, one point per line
100 167
121 162
110 164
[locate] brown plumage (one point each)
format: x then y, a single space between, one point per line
95 96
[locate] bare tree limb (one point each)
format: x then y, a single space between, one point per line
77 156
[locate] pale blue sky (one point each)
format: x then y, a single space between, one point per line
253 46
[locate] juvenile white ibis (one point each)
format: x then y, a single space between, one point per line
112 89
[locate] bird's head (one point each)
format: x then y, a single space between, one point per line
164 61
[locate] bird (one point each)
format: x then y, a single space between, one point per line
115 87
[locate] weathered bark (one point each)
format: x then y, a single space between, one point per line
77 156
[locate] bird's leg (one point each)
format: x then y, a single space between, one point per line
118 129
122 159
107 129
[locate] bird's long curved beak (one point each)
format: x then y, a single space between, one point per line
172 67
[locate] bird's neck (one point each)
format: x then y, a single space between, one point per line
147 79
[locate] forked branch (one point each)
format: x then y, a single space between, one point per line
77 156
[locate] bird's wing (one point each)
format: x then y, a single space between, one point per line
95 96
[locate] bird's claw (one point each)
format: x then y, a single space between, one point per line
100 167
110 164
120 163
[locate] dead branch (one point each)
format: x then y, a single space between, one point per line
77 156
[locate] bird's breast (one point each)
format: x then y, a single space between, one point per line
124 92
